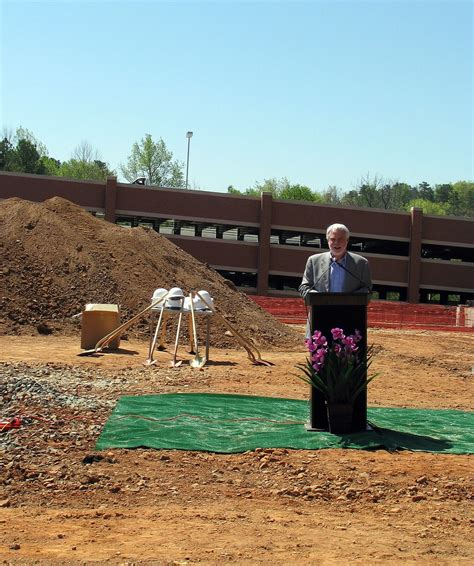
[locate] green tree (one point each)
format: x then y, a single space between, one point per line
369 196
273 185
462 198
21 152
25 158
442 192
351 198
85 164
369 190
233 191
85 152
25 134
401 195
395 195
6 154
428 207
85 170
425 191
279 188
319 198
332 195
297 192
50 165
252 192
153 161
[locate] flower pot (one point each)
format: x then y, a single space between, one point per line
340 417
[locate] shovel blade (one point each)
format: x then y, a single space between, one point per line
197 362
262 363
89 352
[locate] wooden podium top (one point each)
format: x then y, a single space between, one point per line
313 298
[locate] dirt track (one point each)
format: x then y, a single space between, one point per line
64 503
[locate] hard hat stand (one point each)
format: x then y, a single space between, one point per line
158 330
174 301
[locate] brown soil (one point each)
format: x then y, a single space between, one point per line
56 258
63 503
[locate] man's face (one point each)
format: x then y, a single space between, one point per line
337 241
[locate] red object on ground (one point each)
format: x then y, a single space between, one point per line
7 424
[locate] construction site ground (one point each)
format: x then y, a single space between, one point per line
62 502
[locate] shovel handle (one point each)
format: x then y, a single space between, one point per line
193 318
176 342
155 337
197 361
242 341
102 343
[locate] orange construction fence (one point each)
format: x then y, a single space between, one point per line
382 314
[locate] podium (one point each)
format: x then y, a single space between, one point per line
349 312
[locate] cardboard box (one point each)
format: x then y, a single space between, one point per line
97 321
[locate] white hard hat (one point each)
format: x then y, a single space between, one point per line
199 304
175 298
159 293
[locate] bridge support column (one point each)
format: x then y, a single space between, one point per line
264 243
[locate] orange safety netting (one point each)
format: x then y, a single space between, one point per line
382 314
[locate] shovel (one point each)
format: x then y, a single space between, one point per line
164 324
174 363
255 358
150 361
190 335
107 339
197 361
208 331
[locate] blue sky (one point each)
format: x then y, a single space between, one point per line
320 92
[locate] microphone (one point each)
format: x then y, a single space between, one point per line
322 275
303 288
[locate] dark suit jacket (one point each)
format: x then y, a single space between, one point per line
316 274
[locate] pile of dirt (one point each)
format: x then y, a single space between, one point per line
57 257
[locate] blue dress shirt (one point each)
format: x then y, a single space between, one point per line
337 275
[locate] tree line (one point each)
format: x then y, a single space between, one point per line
20 151
454 199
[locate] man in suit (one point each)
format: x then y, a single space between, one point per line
336 271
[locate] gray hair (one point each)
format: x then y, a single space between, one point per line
337 228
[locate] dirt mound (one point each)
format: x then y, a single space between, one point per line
57 257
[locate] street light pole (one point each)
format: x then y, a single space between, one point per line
189 135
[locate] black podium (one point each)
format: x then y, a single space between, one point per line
349 312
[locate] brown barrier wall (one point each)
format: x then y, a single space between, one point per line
386 270
436 274
264 215
313 217
220 254
187 204
38 188
452 229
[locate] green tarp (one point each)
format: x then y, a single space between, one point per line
236 423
